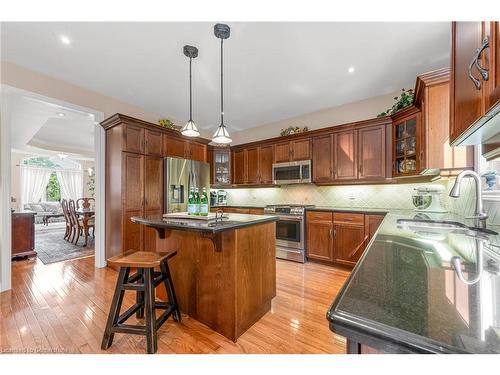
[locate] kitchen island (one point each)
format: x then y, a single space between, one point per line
224 272
406 296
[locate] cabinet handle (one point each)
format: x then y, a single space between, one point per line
331 232
475 62
360 169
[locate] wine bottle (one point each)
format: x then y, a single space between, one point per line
196 202
204 203
191 204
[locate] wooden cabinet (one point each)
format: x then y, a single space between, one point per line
23 234
183 148
319 236
372 153
406 142
295 150
339 237
358 153
134 178
239 167
474 86
432 97
253 165
323 158
345 155
220 166
239 210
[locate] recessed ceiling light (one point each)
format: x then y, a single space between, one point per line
62 156
60 114
65 40
351 69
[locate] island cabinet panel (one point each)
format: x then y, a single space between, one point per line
320 236
323 158
133 139
239 167
372 153
466 98
345 156
227 289
153 143
253 166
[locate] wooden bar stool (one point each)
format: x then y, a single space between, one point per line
144 282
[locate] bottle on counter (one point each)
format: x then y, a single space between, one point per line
204 203
196 202
191 202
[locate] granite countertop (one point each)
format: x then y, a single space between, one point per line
232 221
406 292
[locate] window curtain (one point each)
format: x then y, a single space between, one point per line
33 184
71 183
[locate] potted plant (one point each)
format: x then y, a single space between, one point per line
491 179
404 101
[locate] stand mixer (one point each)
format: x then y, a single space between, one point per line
427 198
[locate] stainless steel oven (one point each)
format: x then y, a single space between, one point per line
295 172
290 231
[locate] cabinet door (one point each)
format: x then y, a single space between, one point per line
492 62
266 164
197 151
282 152
301 149
174 147
153 143
319 240
132 200
466 105
153 184
345 156
253 165
372 156
134 139
349 243
372 222
322 158
239 167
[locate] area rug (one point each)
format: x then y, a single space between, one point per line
52 247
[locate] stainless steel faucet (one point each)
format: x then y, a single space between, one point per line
479 215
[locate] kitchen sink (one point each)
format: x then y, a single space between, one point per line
444 226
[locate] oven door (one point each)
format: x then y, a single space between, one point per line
290 232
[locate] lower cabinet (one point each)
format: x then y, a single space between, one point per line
239 210
339 237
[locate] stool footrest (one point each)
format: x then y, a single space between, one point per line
129 328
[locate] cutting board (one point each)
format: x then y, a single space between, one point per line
185 215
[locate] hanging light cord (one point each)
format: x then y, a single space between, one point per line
190 95
221 83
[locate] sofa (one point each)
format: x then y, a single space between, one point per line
45 208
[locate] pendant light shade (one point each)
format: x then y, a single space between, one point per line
221 135
190 129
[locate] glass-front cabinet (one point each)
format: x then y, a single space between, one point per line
407 149
221 169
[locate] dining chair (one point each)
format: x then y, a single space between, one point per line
85 202
81 225
67 218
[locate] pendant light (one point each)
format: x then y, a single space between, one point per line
190 129
222 32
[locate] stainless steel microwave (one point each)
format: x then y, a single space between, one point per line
295 172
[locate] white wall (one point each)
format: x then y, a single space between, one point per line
356 111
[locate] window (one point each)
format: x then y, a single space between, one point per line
53 190
490 171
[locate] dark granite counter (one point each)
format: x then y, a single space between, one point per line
232 221
404 295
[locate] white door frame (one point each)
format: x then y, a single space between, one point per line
5 180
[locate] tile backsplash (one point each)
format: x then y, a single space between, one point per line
397 196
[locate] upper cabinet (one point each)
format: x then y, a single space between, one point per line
253 165
407 137
475 76
351 154
220 163
295 150
184 148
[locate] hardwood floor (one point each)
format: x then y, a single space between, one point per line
62 308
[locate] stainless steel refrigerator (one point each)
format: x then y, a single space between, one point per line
179 176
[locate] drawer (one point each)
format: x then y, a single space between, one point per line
319 216
347 217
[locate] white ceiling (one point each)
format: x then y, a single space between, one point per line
36 128
273 70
